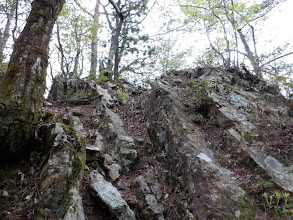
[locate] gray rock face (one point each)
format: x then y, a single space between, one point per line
238 106
149 193
108 195
124 144
114 171
62 173
181 171
75 209
183 151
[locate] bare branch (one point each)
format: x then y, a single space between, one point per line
277 58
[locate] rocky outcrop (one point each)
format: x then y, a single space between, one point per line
109 150
231 105
201 144
109 196
182 149
247 107
63 170
150 195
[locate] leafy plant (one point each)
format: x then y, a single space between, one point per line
265 185
102 77
278 204
198 96
3 68
70 100
198 118
122 95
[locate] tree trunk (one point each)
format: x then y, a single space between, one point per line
109 66
114 47
253 60
76 61
60 48
5 36
23 85
78 51
226 61
119 54
94 53
114 40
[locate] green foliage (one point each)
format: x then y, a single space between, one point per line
168 58
229 23
201 93
122 95
198 118
102 78
75 33
120 78
132 42
3 68
199 97
278 205
265 185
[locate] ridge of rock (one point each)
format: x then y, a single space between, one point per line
204 143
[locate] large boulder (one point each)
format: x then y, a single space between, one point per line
109 197
63 171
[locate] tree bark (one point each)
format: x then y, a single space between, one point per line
78 51
253 60
94 53
23 85
60 48
114 40
5 36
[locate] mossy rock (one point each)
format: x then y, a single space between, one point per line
248 138
65 165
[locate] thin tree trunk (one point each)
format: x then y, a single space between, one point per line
76 62
212 46
60 48
78 50
5 36
259 74
16 20
250 56
118 57
109 66
94 53
114 40
120 52
23 86
116 63
114 47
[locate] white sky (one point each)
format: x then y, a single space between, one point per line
273 32
278 27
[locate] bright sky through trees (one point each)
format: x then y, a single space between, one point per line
176 44
275 30
278 26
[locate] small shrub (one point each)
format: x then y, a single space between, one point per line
265 185
122 95
70 100
278 205
199 97
102 77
